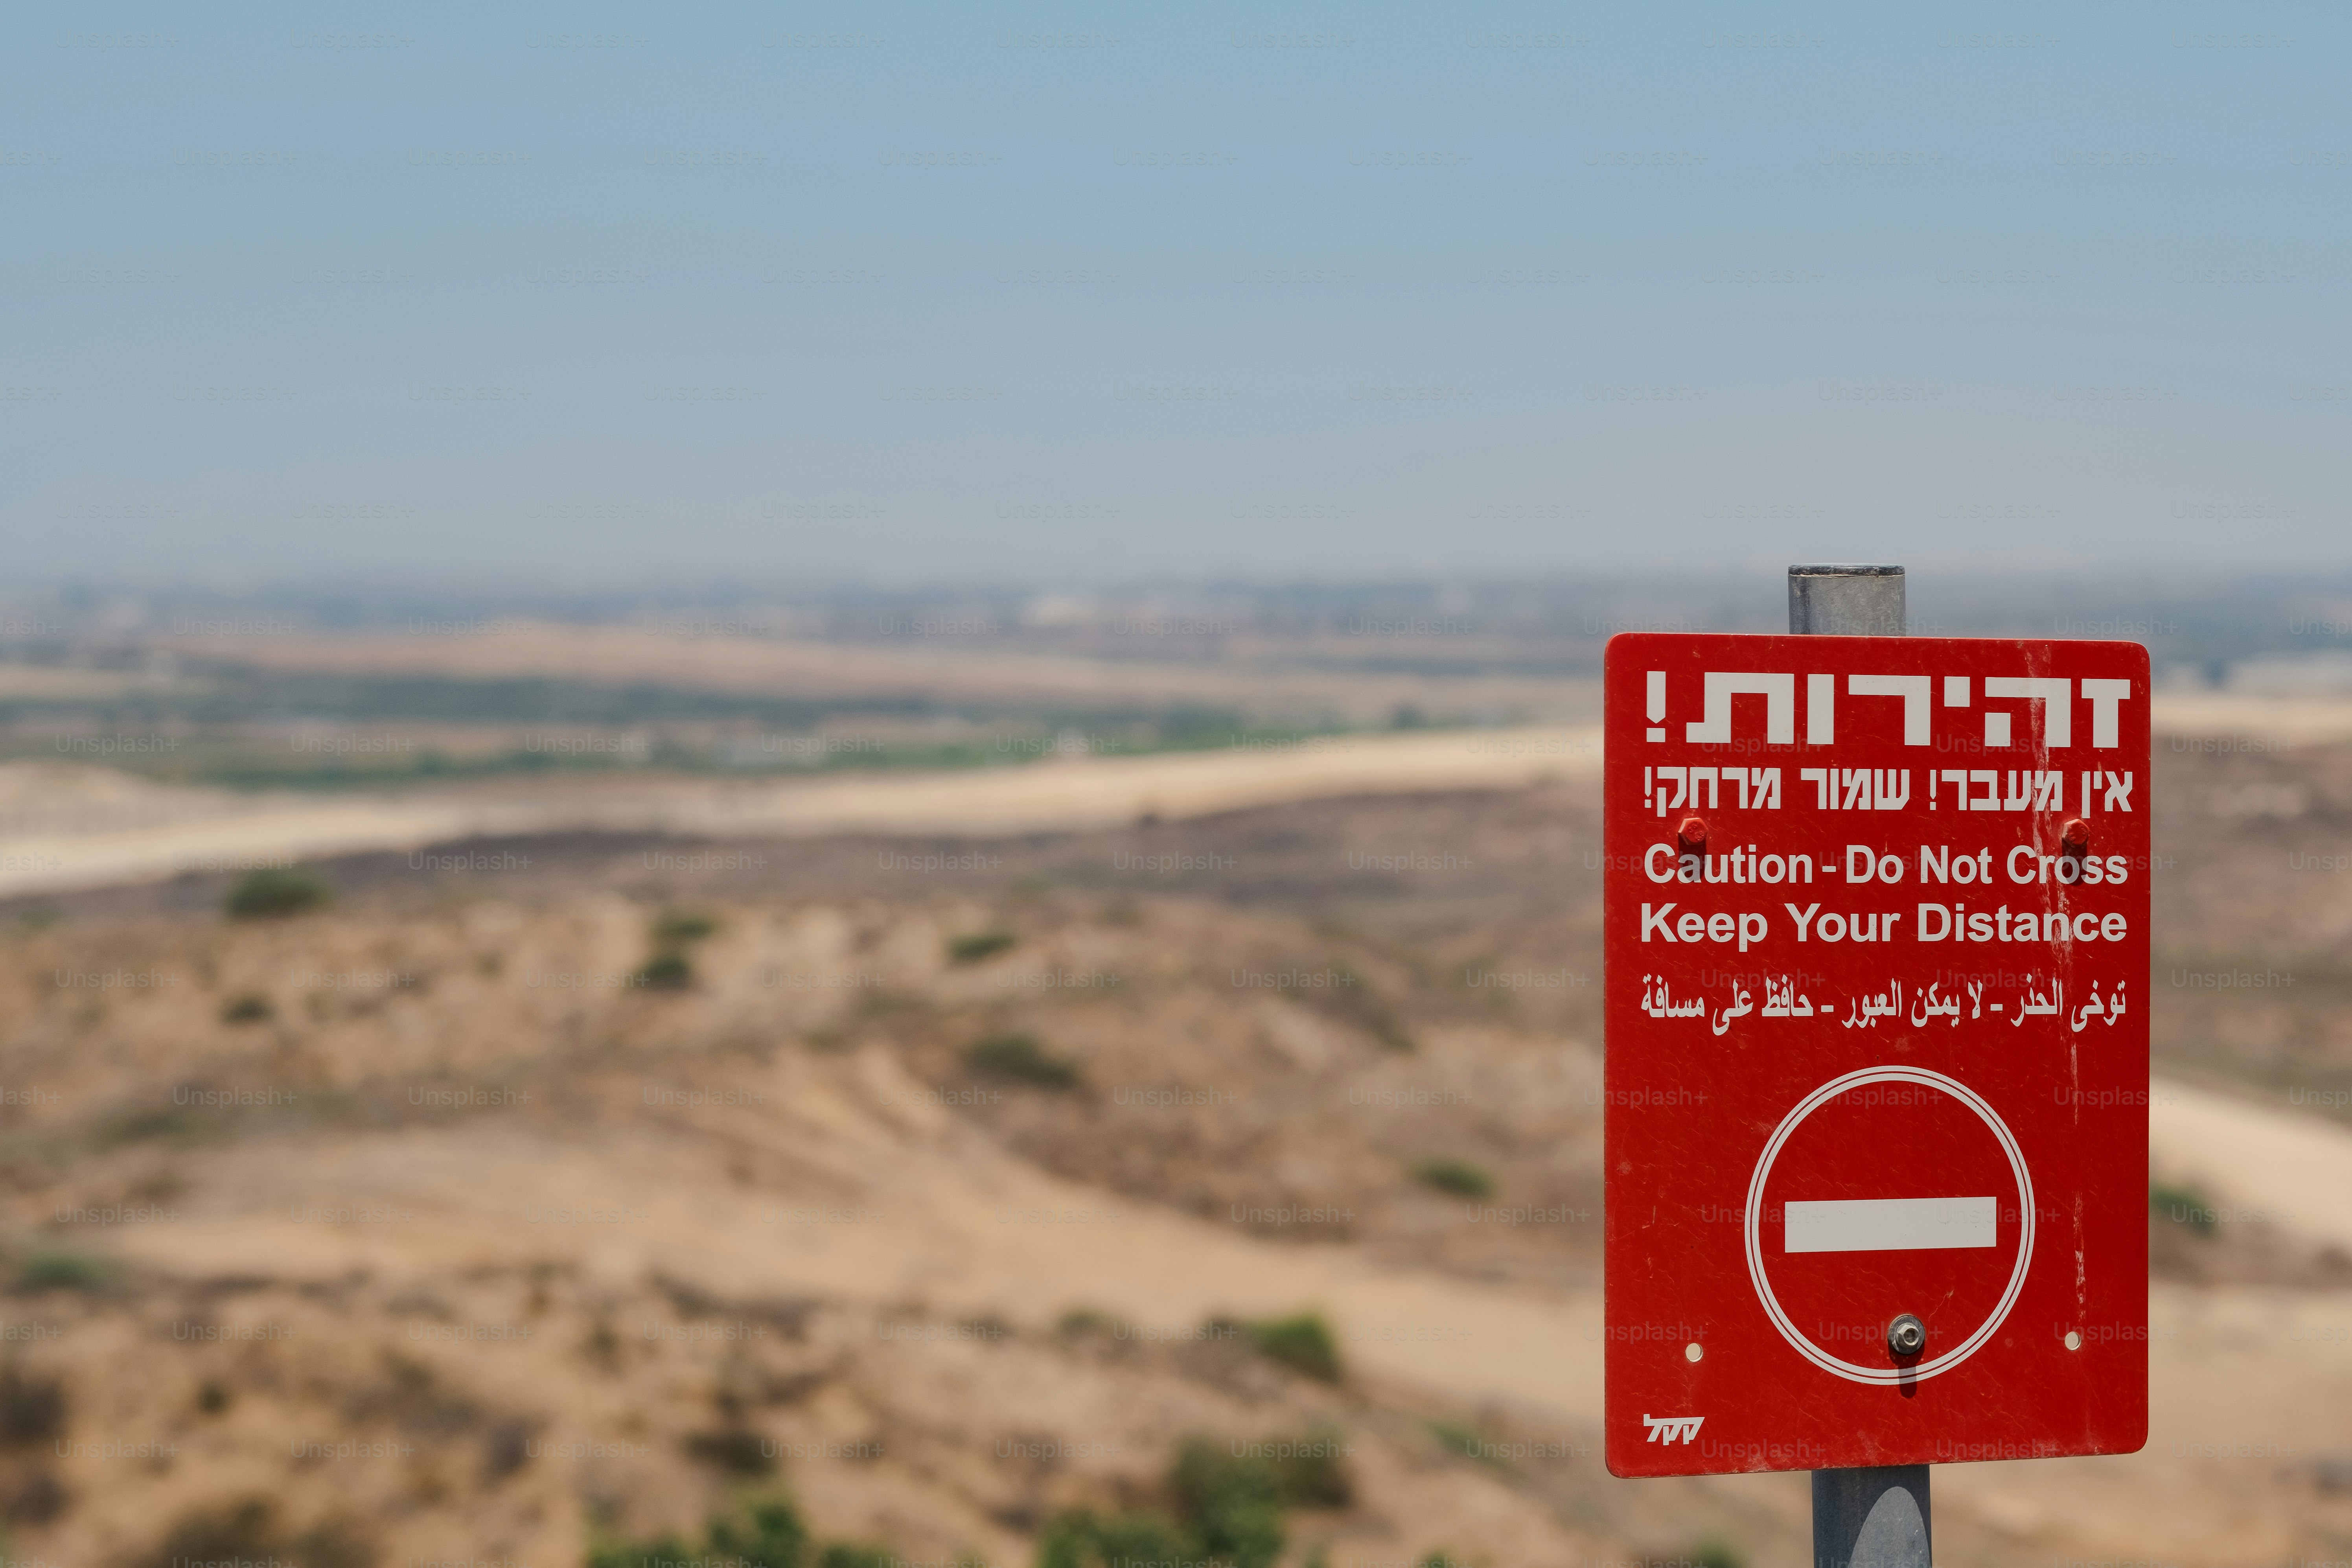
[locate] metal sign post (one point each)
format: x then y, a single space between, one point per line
1878 1516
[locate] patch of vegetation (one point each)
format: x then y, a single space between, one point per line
666 972
1314 1473
1304 1343
1019 1059
764 1533
54 1268
1459 1177
1714 1552
1083 1538
276 892
2182 1205
669 968
677 926
252 1007
248 1531
1458 1439
169 1121
1234 1504
1221 1506
972 948
1082 1322
735 1450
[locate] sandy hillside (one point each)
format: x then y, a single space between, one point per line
585 1256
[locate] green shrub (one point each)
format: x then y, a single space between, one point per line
1313 1473
659 1548
1019 1059
669 969
768 1534
158 1121
56 1269
2182 1205
679 927
1226 1507
1304 1343
1459 1177
274 892
248 1531
1079 1322
982 944
1715 1552
250 1008
764 1533
1082 1539
732 1448
1455 1438
1234 1504
666 972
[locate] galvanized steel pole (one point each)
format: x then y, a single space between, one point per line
1875 1516
1845 601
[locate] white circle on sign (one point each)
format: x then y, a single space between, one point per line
1852 1371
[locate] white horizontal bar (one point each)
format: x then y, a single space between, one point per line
1889 1225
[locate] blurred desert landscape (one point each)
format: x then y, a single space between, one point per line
520 1093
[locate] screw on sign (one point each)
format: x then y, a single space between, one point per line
1876 1141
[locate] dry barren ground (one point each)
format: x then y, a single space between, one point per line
426 1219
567 1255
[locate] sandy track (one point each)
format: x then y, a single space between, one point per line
2260 1166
2281 722
150 833
64 827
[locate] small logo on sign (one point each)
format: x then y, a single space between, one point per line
1672 1429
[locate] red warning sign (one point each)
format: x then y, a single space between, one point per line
1876 1119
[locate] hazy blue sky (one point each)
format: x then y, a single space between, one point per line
897 292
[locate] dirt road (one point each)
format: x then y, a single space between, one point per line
64 828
